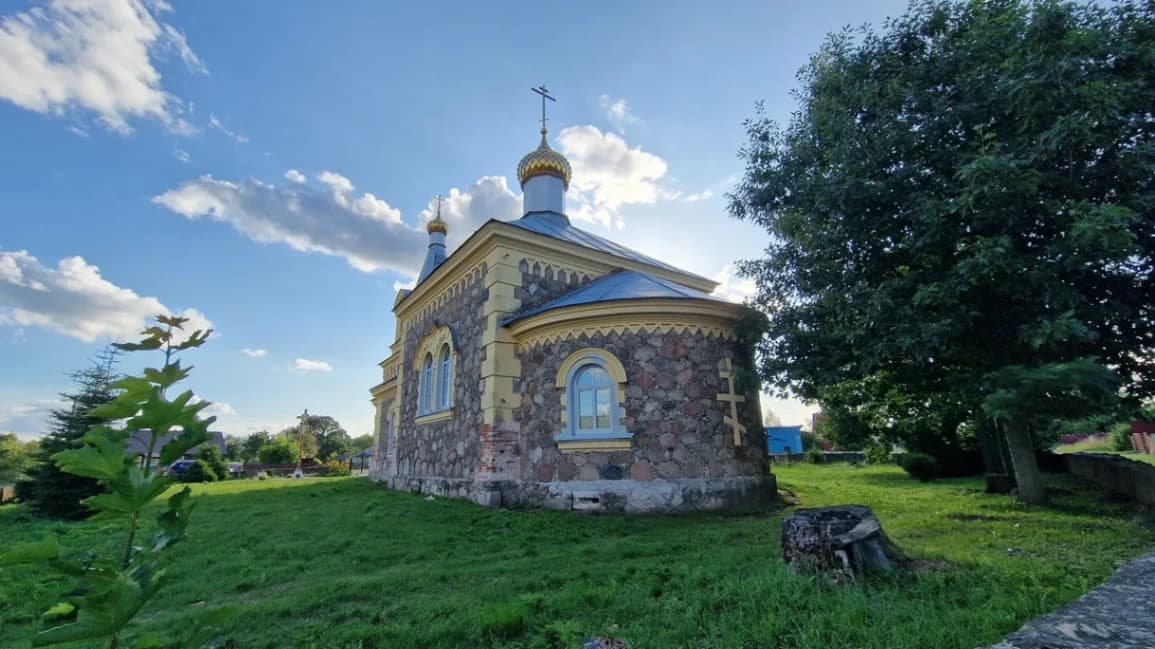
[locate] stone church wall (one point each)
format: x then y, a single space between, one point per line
448 448
544 284
671 408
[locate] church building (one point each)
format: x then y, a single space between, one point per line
542 365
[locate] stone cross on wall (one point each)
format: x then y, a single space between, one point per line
726 372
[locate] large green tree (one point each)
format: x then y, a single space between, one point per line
48 490
963 207
332 439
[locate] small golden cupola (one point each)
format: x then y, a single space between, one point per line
544 174
544 161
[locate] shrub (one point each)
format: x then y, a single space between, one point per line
199 471
1119 437
877 452
336 468
815 456
921 466
277 452
212 457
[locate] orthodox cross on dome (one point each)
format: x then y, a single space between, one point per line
544 92
439 198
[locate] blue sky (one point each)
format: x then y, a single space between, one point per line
266 167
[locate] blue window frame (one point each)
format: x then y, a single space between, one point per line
444 382
425 386
592 409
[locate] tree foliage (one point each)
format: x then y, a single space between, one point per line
362 442
278 451
111 590
964 199
332 440
46 489
253 444
16 456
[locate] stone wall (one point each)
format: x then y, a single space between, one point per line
448 448
540 285
671 408
1135 480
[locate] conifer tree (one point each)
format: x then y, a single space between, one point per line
48 490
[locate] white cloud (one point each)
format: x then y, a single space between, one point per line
607 174
94 55
306 365
295 176
254 353
617 111
76 130
734 288
219 409
182 155
407 285
699 196
28 420
216 123
365 230
465 211
74 300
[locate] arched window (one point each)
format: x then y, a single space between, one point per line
592 400
425 386
592 383
444 378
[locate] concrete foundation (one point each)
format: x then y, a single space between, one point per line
611 496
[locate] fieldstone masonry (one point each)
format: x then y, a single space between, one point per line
671 408
450 448
683 454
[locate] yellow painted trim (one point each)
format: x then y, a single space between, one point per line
567 323
433 417
578 445
611 362
383 389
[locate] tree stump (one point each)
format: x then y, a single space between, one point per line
845 540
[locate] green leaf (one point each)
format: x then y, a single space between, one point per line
100 458
174 321
30 553
147 344
149 640
129 493
173 521
166 376
197 339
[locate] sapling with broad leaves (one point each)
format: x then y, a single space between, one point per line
111 590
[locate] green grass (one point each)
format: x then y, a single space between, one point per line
343 563
1096 446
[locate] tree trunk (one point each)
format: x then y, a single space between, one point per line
1026 465
845 540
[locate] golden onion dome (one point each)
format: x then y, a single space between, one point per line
544 161
437 225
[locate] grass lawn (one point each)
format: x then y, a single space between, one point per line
1082 448
342 563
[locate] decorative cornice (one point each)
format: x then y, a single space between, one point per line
709 318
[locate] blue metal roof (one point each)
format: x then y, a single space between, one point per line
558 226
622 285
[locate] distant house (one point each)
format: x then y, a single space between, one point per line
138 445
784 439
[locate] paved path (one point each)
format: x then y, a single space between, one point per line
1120 614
